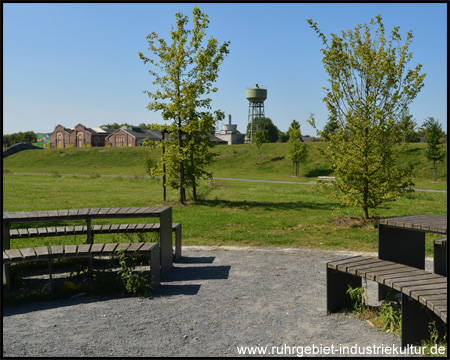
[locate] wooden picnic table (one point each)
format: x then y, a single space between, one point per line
402 240
163 213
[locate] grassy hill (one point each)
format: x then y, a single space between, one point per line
237 161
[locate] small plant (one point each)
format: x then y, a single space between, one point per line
56 174
435 346
359 298
390 314
134 284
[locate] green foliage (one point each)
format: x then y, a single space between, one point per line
265 123
433 135
133 283
435 342
295 125
330 128
117 126
408 127
260 137
357 295
369 90
296 149
187 71
28 137
391 313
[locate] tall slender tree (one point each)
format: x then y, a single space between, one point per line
296 149
369 89
433 135
187 70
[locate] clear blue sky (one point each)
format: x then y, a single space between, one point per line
78 63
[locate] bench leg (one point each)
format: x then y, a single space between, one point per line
337 286
178 243
50 274
155 266
415 321
7 277
440 259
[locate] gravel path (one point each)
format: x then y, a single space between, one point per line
211 302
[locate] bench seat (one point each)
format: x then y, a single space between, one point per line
420 290
49 253
97 229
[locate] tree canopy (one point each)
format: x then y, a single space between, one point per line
433 135
185 71
369 88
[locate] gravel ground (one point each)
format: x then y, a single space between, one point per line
213 301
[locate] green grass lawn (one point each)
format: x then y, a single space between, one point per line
237 161
231 213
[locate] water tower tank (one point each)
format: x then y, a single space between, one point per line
256 97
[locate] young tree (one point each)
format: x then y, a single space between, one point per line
408 127
295 125
369 89
296 149
330 128
261 137
433 134
187 70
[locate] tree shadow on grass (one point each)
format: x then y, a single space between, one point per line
318 172
270 206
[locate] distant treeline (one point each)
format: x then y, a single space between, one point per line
28 137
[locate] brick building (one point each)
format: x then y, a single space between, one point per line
79 136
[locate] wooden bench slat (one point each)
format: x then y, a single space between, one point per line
84 248
134 247
70 229
14 254
108 248
23 232
57 250
60 230
51 230
353 264
13 233
42 252
70 250
28 253
147 247
122 246
96 249
42 231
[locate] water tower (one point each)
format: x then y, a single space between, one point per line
256 97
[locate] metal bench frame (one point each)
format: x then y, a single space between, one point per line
420 291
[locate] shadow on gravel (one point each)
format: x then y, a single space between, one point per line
176 274
197 273
196 260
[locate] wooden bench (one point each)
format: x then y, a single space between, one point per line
440 256
49 253
97 229
420 290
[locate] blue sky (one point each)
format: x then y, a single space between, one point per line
76 63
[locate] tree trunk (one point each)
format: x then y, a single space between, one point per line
435 173
194 187
181 165
296 169
164 168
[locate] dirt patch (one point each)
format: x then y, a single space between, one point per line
352 222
